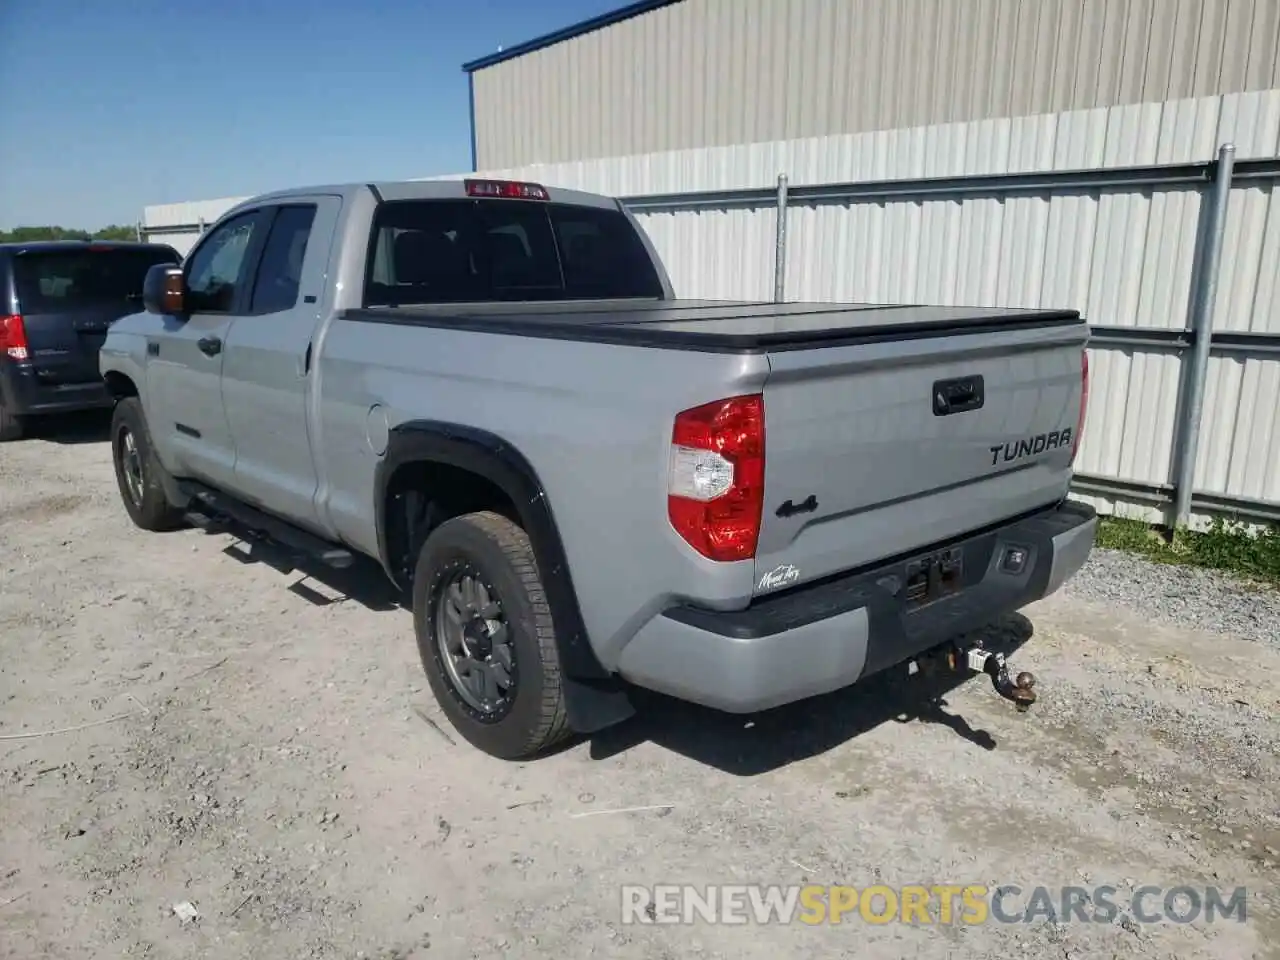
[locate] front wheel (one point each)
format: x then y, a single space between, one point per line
486 637
138 471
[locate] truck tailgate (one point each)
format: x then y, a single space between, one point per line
878 449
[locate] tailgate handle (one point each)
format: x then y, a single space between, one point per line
957 395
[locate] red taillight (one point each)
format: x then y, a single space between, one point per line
715 483
1084 403
506 189
13 337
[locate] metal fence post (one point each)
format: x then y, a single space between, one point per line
1203 301
780 243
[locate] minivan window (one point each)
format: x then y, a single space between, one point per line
466 251
52 281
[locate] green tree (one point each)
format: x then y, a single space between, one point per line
29 234
117 232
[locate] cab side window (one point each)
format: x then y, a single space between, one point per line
216 269
280 271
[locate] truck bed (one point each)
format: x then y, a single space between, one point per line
887 427
720 326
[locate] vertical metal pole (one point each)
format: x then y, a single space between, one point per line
137 230
780 244
1203 300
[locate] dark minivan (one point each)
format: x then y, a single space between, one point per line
57 299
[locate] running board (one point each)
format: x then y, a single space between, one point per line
205 502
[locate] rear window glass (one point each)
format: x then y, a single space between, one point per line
461 251
66 279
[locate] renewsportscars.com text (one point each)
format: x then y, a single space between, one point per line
968 904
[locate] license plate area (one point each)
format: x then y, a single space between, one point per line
933 577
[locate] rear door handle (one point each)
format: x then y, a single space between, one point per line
210 346
153 348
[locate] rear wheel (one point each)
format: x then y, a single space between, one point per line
486 637
138 472
10 425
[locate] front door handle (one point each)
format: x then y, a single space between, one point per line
210 346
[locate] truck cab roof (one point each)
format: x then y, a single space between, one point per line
444 189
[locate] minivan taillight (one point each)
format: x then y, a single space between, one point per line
13 337
715 482
1084 404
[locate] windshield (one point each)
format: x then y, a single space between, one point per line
466 251
57 280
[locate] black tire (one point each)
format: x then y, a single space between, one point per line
496 552
10 425
146 504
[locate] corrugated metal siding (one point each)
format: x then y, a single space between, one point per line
710 72
1249 285
1179 131
716 254
1124 259
1240 440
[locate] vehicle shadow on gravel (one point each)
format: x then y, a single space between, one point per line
751 745
92 426
742 745
363 582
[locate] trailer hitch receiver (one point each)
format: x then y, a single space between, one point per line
1019 689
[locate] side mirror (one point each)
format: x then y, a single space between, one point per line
163 290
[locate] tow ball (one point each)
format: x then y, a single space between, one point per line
1020 689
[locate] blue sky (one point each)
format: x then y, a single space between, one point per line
106 107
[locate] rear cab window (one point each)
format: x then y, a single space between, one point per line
58 281
469 251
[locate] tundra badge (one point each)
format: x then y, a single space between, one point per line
1030 446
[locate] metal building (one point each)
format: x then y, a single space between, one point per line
676 74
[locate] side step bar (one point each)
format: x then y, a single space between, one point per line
218 505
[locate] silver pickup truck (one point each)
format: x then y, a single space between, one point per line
580 483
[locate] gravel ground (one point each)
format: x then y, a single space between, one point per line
252 743
1183 596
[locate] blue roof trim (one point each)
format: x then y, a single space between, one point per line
568 33
471 111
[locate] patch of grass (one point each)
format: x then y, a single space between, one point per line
1227 545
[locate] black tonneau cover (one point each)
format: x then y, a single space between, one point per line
716 325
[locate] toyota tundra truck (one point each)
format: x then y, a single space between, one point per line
581 484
